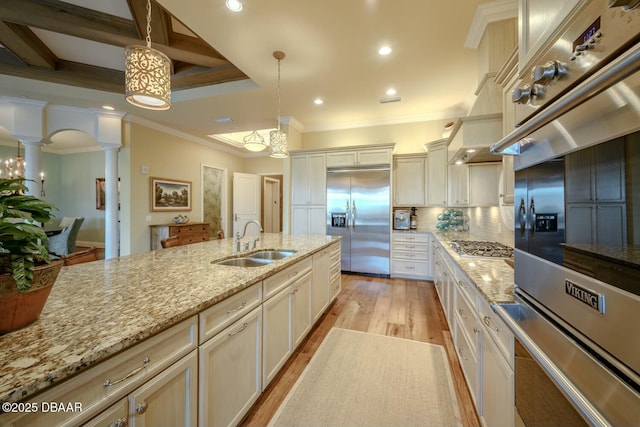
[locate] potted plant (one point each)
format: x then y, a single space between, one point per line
26 271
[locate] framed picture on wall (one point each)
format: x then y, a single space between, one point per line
169 195
101 193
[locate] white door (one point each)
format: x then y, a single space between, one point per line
246 201
271 205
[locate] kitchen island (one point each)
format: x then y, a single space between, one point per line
99 309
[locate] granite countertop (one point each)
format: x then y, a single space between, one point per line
493 277
100 308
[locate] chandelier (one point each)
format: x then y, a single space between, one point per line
254 142
277 138
147 74
14 167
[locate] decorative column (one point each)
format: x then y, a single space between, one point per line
112 230
33 167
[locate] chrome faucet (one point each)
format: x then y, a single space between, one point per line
237 238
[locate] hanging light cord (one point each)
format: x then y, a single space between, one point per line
149 24
278 95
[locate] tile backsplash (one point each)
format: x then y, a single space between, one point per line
491 223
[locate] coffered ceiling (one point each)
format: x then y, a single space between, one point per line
72 53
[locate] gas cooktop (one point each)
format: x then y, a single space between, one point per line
476 248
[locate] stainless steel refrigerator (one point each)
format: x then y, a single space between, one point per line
358 209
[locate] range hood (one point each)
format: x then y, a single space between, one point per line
472 136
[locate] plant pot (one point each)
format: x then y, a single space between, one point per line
19 309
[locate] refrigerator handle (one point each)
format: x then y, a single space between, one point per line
532 211
523 217
347 219
353 214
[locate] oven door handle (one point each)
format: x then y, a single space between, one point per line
572 393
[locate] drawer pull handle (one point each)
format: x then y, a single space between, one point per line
120 422
462 284
242 328
461 353
487 321
141 408
409 267
294 291
476 330
108 383
461 313
240 307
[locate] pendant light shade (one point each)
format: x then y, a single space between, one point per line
147 74
277 138
254 142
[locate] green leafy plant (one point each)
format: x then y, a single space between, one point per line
21 240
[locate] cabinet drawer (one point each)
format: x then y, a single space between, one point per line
467 288
279 280
418 256
116 415
410 238
497 330
124 372
466 317
224 313
402 246
334 254
413 268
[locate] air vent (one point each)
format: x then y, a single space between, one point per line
387 100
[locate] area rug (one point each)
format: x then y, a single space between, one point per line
362 379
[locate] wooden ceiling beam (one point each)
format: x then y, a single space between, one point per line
26 46
159 28
192 77
72 20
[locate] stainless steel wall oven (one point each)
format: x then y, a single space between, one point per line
577 223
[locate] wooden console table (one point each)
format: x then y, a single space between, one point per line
191 232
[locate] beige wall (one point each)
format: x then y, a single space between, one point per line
166 156
408 137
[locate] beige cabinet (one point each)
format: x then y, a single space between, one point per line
320 291
458 185
410 254
378 156
335 279
483 184
409 181
286 313
498 386
170 398
308 193
230 361
115 416
437 170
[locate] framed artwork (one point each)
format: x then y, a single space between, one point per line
170 195
101 193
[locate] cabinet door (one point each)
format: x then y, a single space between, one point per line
579 224
578 177
437 177
458 185
317 220
301 308
231 361
498 393
317 179
611 224
483 185
409 181
374 157
170 398
609 171
342 158
299 220
276 335
320 293
299 180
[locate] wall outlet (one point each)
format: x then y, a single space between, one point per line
144 170
147 218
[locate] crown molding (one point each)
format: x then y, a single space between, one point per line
487 13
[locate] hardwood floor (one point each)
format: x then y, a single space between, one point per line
397 307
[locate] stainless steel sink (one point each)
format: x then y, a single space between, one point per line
272 254
244 262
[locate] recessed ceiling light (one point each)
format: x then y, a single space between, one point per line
224 120
384 50
318 101
471 150
234 5
108 107
391 91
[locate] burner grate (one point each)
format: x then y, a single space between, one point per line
484 249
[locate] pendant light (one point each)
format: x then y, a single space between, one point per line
277 138
147 74
254 142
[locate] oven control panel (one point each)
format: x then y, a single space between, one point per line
594 35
